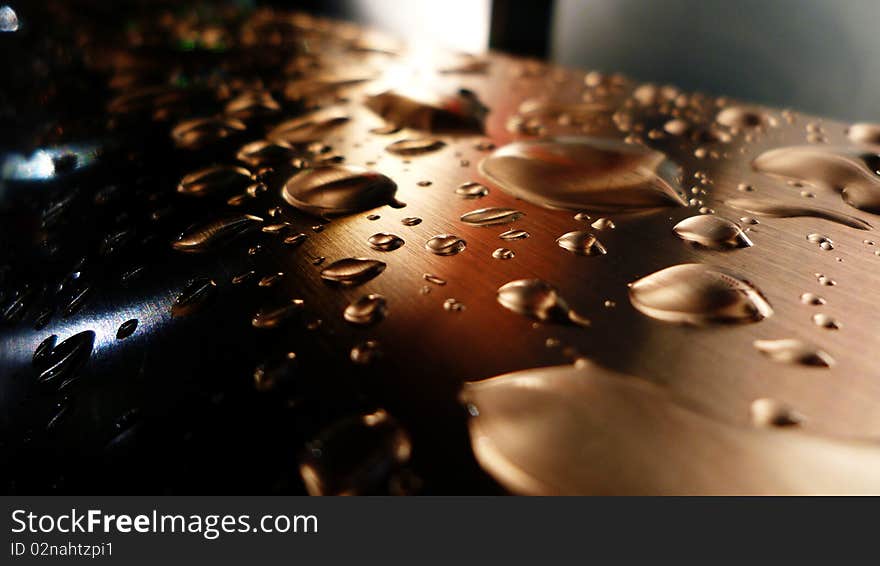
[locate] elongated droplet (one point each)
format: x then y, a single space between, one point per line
776 210
429 112
581 243
41 353
772 413
411 221
471 190
264 152
355 456
491 216
352 271
273 317
793 351
201 132
431 278
215 234
385 242
537 299
415 146
338 189
694 293
309 128
853 173
60 365
126 329
366 310
603 224
222 179
591 431
445 244
586 173
712 231
514 235
503 253
194 296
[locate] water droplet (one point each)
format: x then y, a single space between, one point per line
126 329
772 413
825 321
338 189
864 133
694 293
43 350
712 231
415 146
453 305
366 310
243 277
776 210
825 280
425 111
824 241
276 373
195 295
355 456
352 271
854 174
581 243
430 278
252 104
491 216
264 152
537 299
411 221
366 352
8 20
61 363
579 173
743 118
514 235
309 128
793 351
217 179
503 253
385 242
201 132
445 244
270 280
471 190
295 239
811 299
215 234
274 317
604 224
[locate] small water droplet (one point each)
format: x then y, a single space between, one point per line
694 293
445 244
273 317
491 216
537 299
411 221
777 210
415 146
270 280
581 243
503 253
295 239
365 353
385 242
265 152
352 271
811 299
514 235
200 132
430 278
793 351
213 180
471 190
825 321
366 310
195 295
824 241
276 373
453 305
243 277
126 329
772 413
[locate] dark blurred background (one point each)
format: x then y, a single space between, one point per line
816 56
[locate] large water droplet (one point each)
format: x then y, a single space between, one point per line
793 351
712 231
491 216
215 234
777 210
352 271
586 173
60 364
217 179
445 244
581 243
853 173
366 310
694 293
338 189
426 111
537 299
356 456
